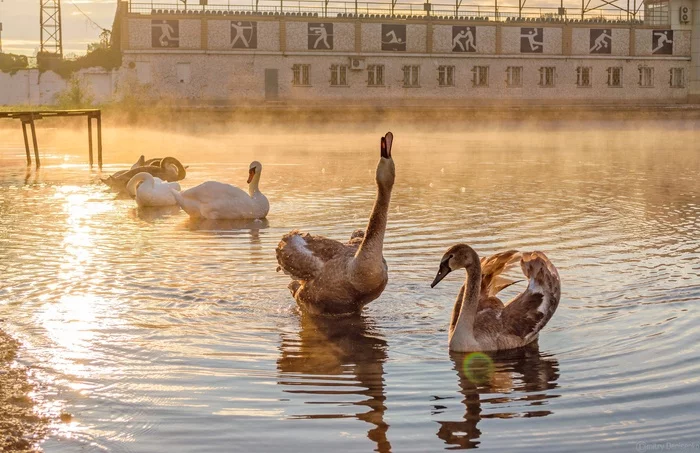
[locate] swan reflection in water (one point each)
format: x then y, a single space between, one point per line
152 214
520 377
226 224
335 358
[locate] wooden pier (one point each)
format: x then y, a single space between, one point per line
28 118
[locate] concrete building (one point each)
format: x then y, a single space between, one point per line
247 57
214 54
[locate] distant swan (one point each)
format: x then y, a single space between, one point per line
480 321
168 169
150 191
216 201
330 277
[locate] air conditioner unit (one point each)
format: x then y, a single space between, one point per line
357 64
684 15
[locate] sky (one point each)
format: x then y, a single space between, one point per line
20 23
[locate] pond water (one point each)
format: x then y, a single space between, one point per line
159 334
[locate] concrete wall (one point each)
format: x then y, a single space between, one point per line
31 87
242 79
282 34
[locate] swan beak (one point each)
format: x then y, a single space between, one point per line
442 273
251 174
385 150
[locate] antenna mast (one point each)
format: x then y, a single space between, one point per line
51 33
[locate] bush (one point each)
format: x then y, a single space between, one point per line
107 58
12 63
75 96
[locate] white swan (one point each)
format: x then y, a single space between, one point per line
215 201
150 191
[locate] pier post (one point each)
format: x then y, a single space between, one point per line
99 140
89 121
36 145
26 143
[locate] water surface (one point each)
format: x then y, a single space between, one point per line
160 334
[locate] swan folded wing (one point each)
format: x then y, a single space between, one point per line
302 256
492 268
213 191
530 311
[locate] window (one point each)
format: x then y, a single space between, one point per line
300 75
547 76
446 76
375 75
615 77
339 75
183 73
514 76
583 76
411 77
677 78
480 77
646 76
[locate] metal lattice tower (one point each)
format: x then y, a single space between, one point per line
51 33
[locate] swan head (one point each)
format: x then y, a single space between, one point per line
174 170
386 172
254 171
458 256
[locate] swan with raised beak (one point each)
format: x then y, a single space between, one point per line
480 321
218 201
150 191
330 277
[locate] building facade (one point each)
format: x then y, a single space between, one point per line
248 57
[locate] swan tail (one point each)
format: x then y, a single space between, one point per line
185 204
296 258
357 237
531 310
140 162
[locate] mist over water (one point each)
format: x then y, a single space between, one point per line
161 334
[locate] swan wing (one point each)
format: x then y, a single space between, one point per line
530 311
492 268
302 256
212 191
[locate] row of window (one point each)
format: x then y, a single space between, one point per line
480 76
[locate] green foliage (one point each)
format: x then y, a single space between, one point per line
100 54
103 43
75 96
12 63
105 58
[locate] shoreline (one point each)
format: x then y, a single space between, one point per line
292 115
21 428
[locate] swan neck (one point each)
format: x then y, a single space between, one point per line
140 180
253 186
469 302
373 243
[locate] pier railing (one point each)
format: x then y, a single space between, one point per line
649 13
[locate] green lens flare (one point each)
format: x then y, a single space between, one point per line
478 367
